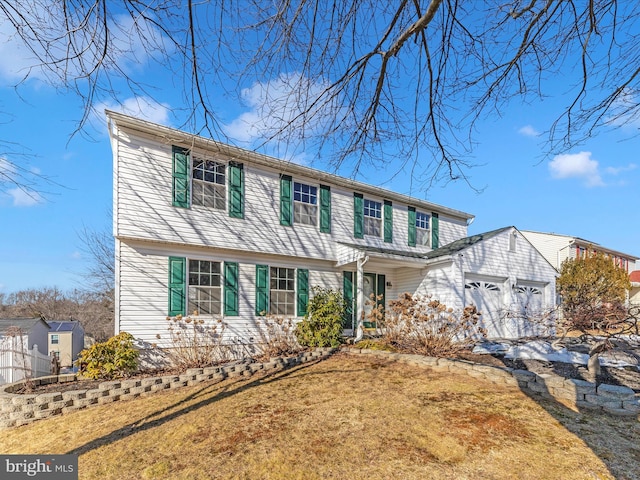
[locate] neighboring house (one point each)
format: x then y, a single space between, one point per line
233 234
34 332
558 248
634 293
66 341
23 349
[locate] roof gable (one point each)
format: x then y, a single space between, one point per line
464 243
26 324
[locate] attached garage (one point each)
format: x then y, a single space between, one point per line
488 297
501 274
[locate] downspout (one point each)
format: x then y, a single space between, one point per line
360 297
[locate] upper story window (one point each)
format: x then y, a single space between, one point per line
209 183
372 217
305 204
55 339
205 287
423 235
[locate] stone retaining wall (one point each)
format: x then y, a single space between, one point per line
21 409
577 394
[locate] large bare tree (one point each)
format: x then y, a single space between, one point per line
359 83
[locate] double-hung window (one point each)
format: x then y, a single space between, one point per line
55 339
305 204
372 217
282 291
205 287
423 236
209 183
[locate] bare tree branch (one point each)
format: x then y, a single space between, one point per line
360 85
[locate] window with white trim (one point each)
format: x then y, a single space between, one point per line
423 236
205 287
209 183
55 339
372 218
305 204
282 291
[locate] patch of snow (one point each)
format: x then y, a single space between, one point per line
490 348
542 350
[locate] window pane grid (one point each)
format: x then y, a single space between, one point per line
372 218
282 291
372 209
205 290
305 210
305 193
209 185
422 220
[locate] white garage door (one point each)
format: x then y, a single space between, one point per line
487 296
530 299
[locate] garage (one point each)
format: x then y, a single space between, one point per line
488 297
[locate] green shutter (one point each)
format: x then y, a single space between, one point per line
236 190
262 289
435 231
412 227
358 215
325 209
177 285
303 291
286 200
388 221
181 171
231 289
381 289
347 292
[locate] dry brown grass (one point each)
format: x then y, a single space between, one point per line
346 417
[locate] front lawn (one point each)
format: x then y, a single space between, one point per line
345 417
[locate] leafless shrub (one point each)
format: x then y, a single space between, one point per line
422 325
277 336
196 342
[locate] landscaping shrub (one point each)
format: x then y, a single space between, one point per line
115 358
196 342
277 336
419 324
322 324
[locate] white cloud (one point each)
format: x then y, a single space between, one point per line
282 110
576 165
131 42
24 197
582 166
619 170
528 131
76 255
140 107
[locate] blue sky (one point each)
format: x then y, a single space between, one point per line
591 191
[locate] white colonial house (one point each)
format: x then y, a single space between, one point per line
200 225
